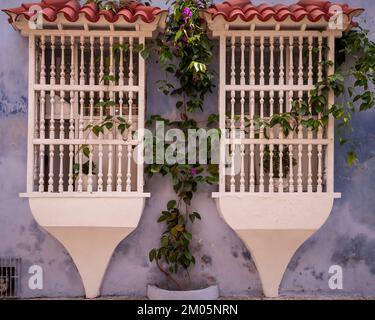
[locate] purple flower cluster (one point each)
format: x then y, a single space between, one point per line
200 4
187 13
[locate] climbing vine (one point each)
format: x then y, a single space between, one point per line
185 54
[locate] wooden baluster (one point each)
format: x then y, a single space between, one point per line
42 113
110 133
62 102
101 99
291 165
232 118
300 128
242 124
291 72
36 155
261 133
252 113
320 67
300 150
311 67
121 103
300 68
281 108
272 104
281 168
71 117
320 169
320 129
52 116
309 181
91 121
310 133
130 120
81 121
291 97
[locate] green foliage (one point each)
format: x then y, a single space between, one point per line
185 53
359 97
85 149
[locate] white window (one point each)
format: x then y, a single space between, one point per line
81 80
264 72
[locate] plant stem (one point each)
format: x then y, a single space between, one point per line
168 275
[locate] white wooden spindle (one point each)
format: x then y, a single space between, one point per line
121 103
272 103
101 99
261 101
272 75
242 124
310 67
71 117
62 103
119 168
300 128
309 177
91 120
290 105
281 76
110 133
222 112
121 63
291 173
42 112
232 118
81 113
320 58
300 64
281 108
330 157
291 72
320 129
252 113
281 168
52 116
310 133
35 156
320 169
300 153
130 120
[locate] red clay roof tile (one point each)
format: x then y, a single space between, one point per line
72 9
314 10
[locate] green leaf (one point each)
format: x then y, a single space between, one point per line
188 255
351 158
187 235
145 53
171 204
152 255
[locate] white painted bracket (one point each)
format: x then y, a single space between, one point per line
89 227
273 227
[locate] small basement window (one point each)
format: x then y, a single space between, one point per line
10 277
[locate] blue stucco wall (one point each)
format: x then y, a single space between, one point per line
347 239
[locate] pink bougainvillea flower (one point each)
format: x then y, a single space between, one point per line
187 12
193 171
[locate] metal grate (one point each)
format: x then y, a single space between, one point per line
10 277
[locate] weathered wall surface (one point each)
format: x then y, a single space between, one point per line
347 239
